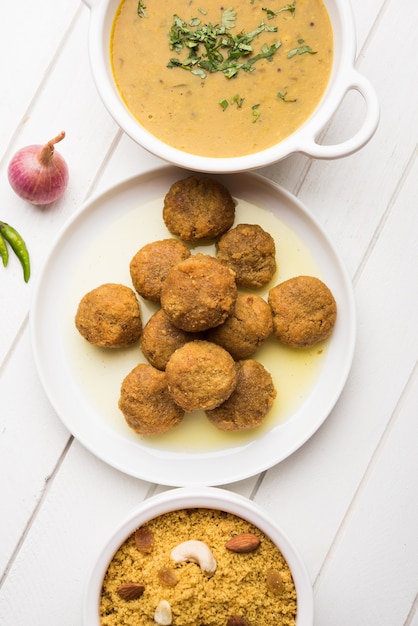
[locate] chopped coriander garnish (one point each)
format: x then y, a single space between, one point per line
215 48
198 72
283 96
141 9
234 100
288 7
229 17
302 49
237 100
256 112
270 13
266 53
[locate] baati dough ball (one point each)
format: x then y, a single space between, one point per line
251 252
109 316
304 311
160 338
250 401
146 403
201 375
198 208
246 328
150 265
198 293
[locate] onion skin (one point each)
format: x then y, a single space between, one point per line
38 173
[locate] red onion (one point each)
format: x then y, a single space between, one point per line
38 173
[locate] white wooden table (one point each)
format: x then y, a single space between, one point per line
349 497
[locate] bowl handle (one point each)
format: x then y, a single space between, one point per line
362 136
90 3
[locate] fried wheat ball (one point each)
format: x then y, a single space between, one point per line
198 293
160 338
251 252
250 401
146 403
151 264
245 330
201 375
304 311
109 316
198 208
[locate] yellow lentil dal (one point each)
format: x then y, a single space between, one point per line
202 111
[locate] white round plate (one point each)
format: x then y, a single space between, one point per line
83 381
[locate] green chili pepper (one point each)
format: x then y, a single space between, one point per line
4 253
18 246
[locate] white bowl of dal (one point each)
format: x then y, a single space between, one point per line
186 499
343 78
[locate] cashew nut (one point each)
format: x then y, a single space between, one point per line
196 552
163 614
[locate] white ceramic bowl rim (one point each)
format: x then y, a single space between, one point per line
206 497
344 78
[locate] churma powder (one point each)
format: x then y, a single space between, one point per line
252 586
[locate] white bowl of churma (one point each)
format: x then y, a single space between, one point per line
228 88
198 556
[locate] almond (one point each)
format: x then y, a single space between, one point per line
144 539
246 542
236 620
131 591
